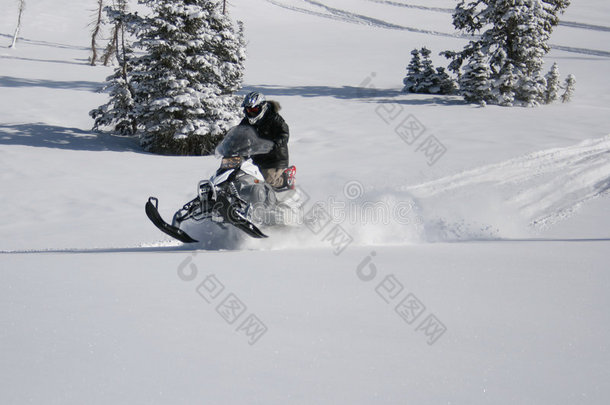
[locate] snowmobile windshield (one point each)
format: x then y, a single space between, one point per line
243 140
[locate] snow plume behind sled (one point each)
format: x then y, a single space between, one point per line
350 216
514 197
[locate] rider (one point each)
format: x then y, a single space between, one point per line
264 117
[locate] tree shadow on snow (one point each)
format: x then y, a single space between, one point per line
44 43
369 94
12 82
343 92
50 136
423 99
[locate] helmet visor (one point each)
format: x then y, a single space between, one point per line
253 111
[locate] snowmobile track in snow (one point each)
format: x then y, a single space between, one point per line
396 4
544 186
169 249
162 247
571 24
349 17
354 18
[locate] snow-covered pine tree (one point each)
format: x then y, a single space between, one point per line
569 87
118 114
185 82
512 31
423 78
446 84
530 90
428 82
414 73
504 86
475 84
552 84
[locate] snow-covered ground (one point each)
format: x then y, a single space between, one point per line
465 263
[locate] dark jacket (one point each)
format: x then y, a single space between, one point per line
272 127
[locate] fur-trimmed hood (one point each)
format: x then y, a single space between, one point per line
275 105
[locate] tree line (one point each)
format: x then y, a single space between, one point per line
503 62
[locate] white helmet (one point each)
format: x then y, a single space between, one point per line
255 106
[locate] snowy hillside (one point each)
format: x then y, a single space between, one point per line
465 262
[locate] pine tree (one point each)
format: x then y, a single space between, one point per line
512 32
475 84
445 83
428 81
424 78
569 86
118 114
414 73
504 85
552 84
184 83
530 90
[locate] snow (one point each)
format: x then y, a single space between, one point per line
502 237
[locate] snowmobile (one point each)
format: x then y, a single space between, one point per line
236 195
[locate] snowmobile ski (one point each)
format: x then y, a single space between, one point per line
152 212
235 218
249 228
